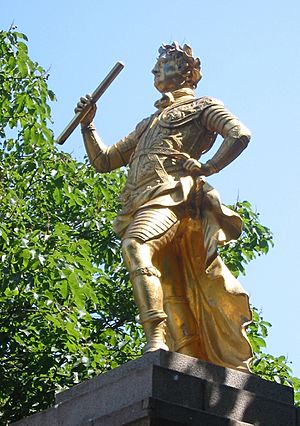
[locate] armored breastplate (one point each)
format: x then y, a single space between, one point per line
168 139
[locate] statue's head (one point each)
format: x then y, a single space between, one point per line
176 68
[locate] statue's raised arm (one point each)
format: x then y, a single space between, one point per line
103 158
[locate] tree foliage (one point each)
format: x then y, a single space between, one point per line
65 301
256 239
66 306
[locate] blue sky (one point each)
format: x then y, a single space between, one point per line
250 60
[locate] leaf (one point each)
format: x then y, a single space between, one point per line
3 234
63 288
26 255
22 66
22 47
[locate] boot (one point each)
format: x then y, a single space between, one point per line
155 335
148 297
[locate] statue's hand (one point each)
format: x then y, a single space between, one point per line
196 168
84 101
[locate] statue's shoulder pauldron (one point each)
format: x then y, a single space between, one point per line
141 126
177 115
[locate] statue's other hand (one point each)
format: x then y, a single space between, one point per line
83 103
195 168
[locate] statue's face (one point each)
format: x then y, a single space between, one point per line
168 75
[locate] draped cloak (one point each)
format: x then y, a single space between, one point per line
218 302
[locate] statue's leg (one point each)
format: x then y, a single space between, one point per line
147 291
181 322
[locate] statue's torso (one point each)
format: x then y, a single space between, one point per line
166 141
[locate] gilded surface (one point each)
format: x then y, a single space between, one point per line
172 220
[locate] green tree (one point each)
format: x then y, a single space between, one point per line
66 307
65 301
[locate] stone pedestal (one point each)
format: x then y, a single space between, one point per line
164 388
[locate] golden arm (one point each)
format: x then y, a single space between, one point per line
106 158
103 158
236 136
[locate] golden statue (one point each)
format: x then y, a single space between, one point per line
172 220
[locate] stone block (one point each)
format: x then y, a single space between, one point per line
161 413
167 388
191 366
248 406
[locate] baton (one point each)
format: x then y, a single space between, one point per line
94 98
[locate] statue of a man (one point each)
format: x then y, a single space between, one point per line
172 220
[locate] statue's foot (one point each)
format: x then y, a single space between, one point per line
155 346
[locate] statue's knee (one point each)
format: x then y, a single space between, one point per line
136 254
132 253
130 246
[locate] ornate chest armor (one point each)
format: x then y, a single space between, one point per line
170 137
